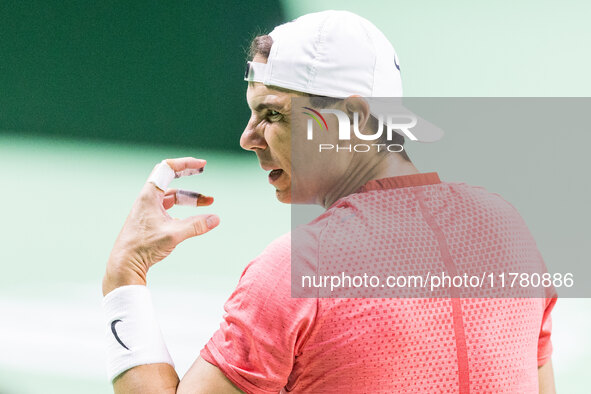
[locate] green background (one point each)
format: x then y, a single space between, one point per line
155 71
92 95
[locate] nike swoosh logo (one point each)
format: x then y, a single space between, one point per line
115 333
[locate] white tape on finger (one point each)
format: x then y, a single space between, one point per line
187 197
162 175
188 172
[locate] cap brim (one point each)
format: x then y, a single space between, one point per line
410 125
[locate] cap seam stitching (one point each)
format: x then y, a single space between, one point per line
317 45
375 59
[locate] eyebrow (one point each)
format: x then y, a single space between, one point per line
261 106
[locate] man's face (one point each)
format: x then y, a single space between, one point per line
268 134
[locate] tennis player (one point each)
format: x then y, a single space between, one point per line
379 209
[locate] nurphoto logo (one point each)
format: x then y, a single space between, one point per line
400 122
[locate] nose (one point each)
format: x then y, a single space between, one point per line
252 137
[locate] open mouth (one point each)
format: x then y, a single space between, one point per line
275 174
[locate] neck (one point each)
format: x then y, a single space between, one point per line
358 175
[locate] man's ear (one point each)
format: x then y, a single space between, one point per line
357 104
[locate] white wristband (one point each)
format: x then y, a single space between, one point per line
133 335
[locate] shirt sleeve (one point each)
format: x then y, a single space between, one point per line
544 342
263 328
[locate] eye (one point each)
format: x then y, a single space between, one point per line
274 116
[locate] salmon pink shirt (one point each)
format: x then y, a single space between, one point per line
270 342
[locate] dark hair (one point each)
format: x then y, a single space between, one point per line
261 45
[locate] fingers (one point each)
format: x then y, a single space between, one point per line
194 226
169 199
185 166
191 198
185 197
161 176
149 234
169 169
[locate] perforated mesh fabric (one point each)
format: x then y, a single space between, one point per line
270 341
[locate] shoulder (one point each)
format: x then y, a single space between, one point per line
277 252
302 243
267 272
288 256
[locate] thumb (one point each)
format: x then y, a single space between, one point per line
195 225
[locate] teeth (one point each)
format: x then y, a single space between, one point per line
275 173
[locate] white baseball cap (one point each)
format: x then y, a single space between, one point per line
337 54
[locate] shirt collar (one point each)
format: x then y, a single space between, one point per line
395 182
